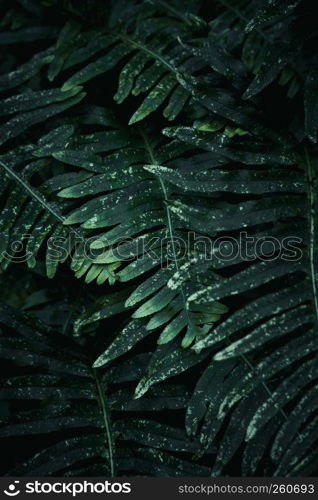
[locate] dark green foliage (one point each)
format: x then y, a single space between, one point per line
134 135
70 396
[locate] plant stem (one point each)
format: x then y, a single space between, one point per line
311 199
103 405
169 221
32 192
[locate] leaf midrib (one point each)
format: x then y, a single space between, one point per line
169 222
311 200
32 192
103 406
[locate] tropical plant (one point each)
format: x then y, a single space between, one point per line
159 237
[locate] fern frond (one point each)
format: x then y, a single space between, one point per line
69 396
189 195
